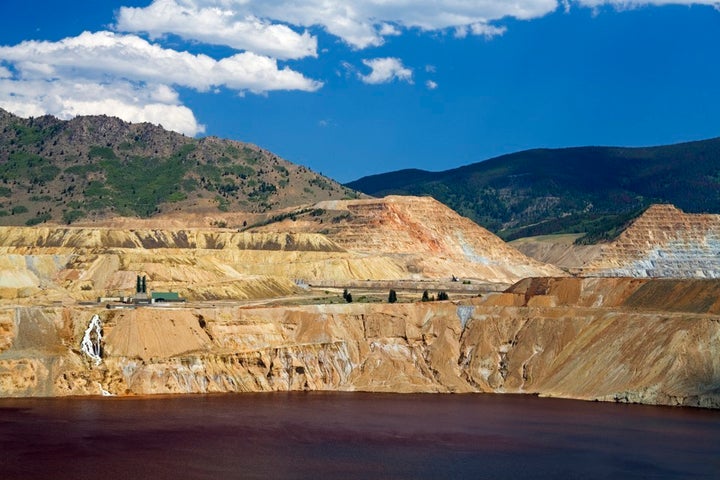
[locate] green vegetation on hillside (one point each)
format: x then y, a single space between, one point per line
596 190
64 171
596 228
138 185
27 166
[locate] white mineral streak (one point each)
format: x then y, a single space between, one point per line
92 339
664 242
464 312
470 253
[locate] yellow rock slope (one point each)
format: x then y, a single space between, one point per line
398 238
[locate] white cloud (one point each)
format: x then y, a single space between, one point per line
388 29
66 99
361 23
219 24
346 70
105 54
126 76
624 4
486 30
386 70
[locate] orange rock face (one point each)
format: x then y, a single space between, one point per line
432 238
613 339
610 339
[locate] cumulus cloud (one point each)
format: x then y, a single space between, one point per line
251 24
483 29
361 23
387 30
105 54
127 76
623 4
217 23
158 104
386 70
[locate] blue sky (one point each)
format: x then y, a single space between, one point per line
362 87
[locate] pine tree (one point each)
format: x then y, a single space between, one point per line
392 296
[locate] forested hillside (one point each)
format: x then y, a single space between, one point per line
572 190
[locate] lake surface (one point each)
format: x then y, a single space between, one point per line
353 435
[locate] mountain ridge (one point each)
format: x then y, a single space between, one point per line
94 167
566 190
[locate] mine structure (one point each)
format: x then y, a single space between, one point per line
141 296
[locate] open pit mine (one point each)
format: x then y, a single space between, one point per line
263 312
663 242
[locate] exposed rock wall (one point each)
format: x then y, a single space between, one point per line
434 239
193 239
65 264
549 337
663 242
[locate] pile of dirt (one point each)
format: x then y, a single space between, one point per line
429 237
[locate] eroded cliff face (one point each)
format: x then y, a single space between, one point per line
594 339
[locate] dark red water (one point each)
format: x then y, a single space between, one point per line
353 435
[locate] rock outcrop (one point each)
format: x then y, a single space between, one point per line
622 340
614 339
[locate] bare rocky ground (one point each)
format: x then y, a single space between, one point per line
265 311
592 339
664 242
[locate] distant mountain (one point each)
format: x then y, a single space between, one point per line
97 167
571 190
